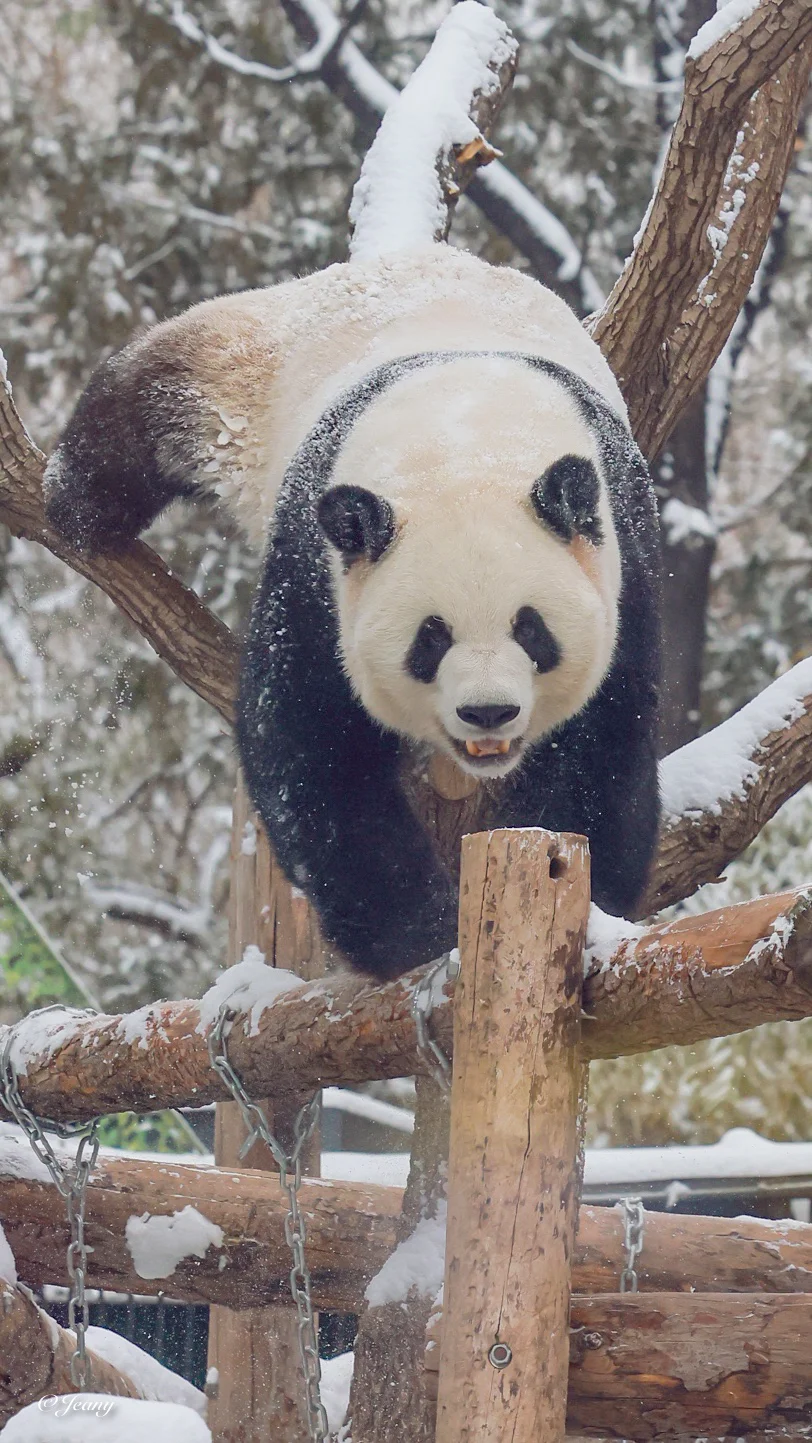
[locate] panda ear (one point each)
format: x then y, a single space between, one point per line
357 522
567 497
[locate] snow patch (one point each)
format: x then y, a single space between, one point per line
417 1262
250 986
683 523
151 1378
37 1037
336 1377
605 935
719 766
730 14
76 1417
8 1267
158 1243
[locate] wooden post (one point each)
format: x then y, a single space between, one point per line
513 1164
259 1388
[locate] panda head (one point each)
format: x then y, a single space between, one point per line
475 563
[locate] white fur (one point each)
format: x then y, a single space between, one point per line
456 449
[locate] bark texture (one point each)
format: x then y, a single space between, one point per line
679 1365
35 1356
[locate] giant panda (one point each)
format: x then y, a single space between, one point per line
460 550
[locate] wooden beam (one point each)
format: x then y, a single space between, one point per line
681 1365
513 1170
352 1229
706 976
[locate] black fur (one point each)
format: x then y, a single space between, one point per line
534 636
358 522
430 645
566 499
130 448
324 775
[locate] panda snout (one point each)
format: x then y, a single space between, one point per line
488 717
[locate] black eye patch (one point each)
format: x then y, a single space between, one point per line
567 499
534 636
430 645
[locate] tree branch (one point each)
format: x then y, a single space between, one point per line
707 976
674 253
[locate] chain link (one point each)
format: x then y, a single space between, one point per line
70 1181
290 1176
437 1064
634 1222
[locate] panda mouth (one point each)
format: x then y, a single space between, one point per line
487 751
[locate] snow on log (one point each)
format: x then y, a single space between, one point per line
352 1231
36 1355
720 790
433 136
675 247
199 648
105 1420
705 976
662 1365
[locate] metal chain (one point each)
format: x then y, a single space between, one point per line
290 1176
71 1183
634 1222
432 1053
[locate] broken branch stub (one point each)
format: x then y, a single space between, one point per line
433 136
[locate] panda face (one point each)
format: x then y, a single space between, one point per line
476 577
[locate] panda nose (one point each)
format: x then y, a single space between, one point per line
488 717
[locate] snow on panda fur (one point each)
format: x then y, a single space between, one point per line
461 550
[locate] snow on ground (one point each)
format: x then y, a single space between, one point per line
398 203
729 16
158 1243
77 1417
389 1169
8 1267
155 1382
720 765
336 1377
417 1262
250 985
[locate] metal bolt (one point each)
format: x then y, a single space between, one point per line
592 1340
500 1355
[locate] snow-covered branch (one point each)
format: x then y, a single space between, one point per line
706 976
535 232
720 790
704 190
433 136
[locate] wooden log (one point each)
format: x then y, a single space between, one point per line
352 1229
513 1160
679 1365
678 983
35 1357
260 1388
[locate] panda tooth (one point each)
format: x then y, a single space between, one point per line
472 749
